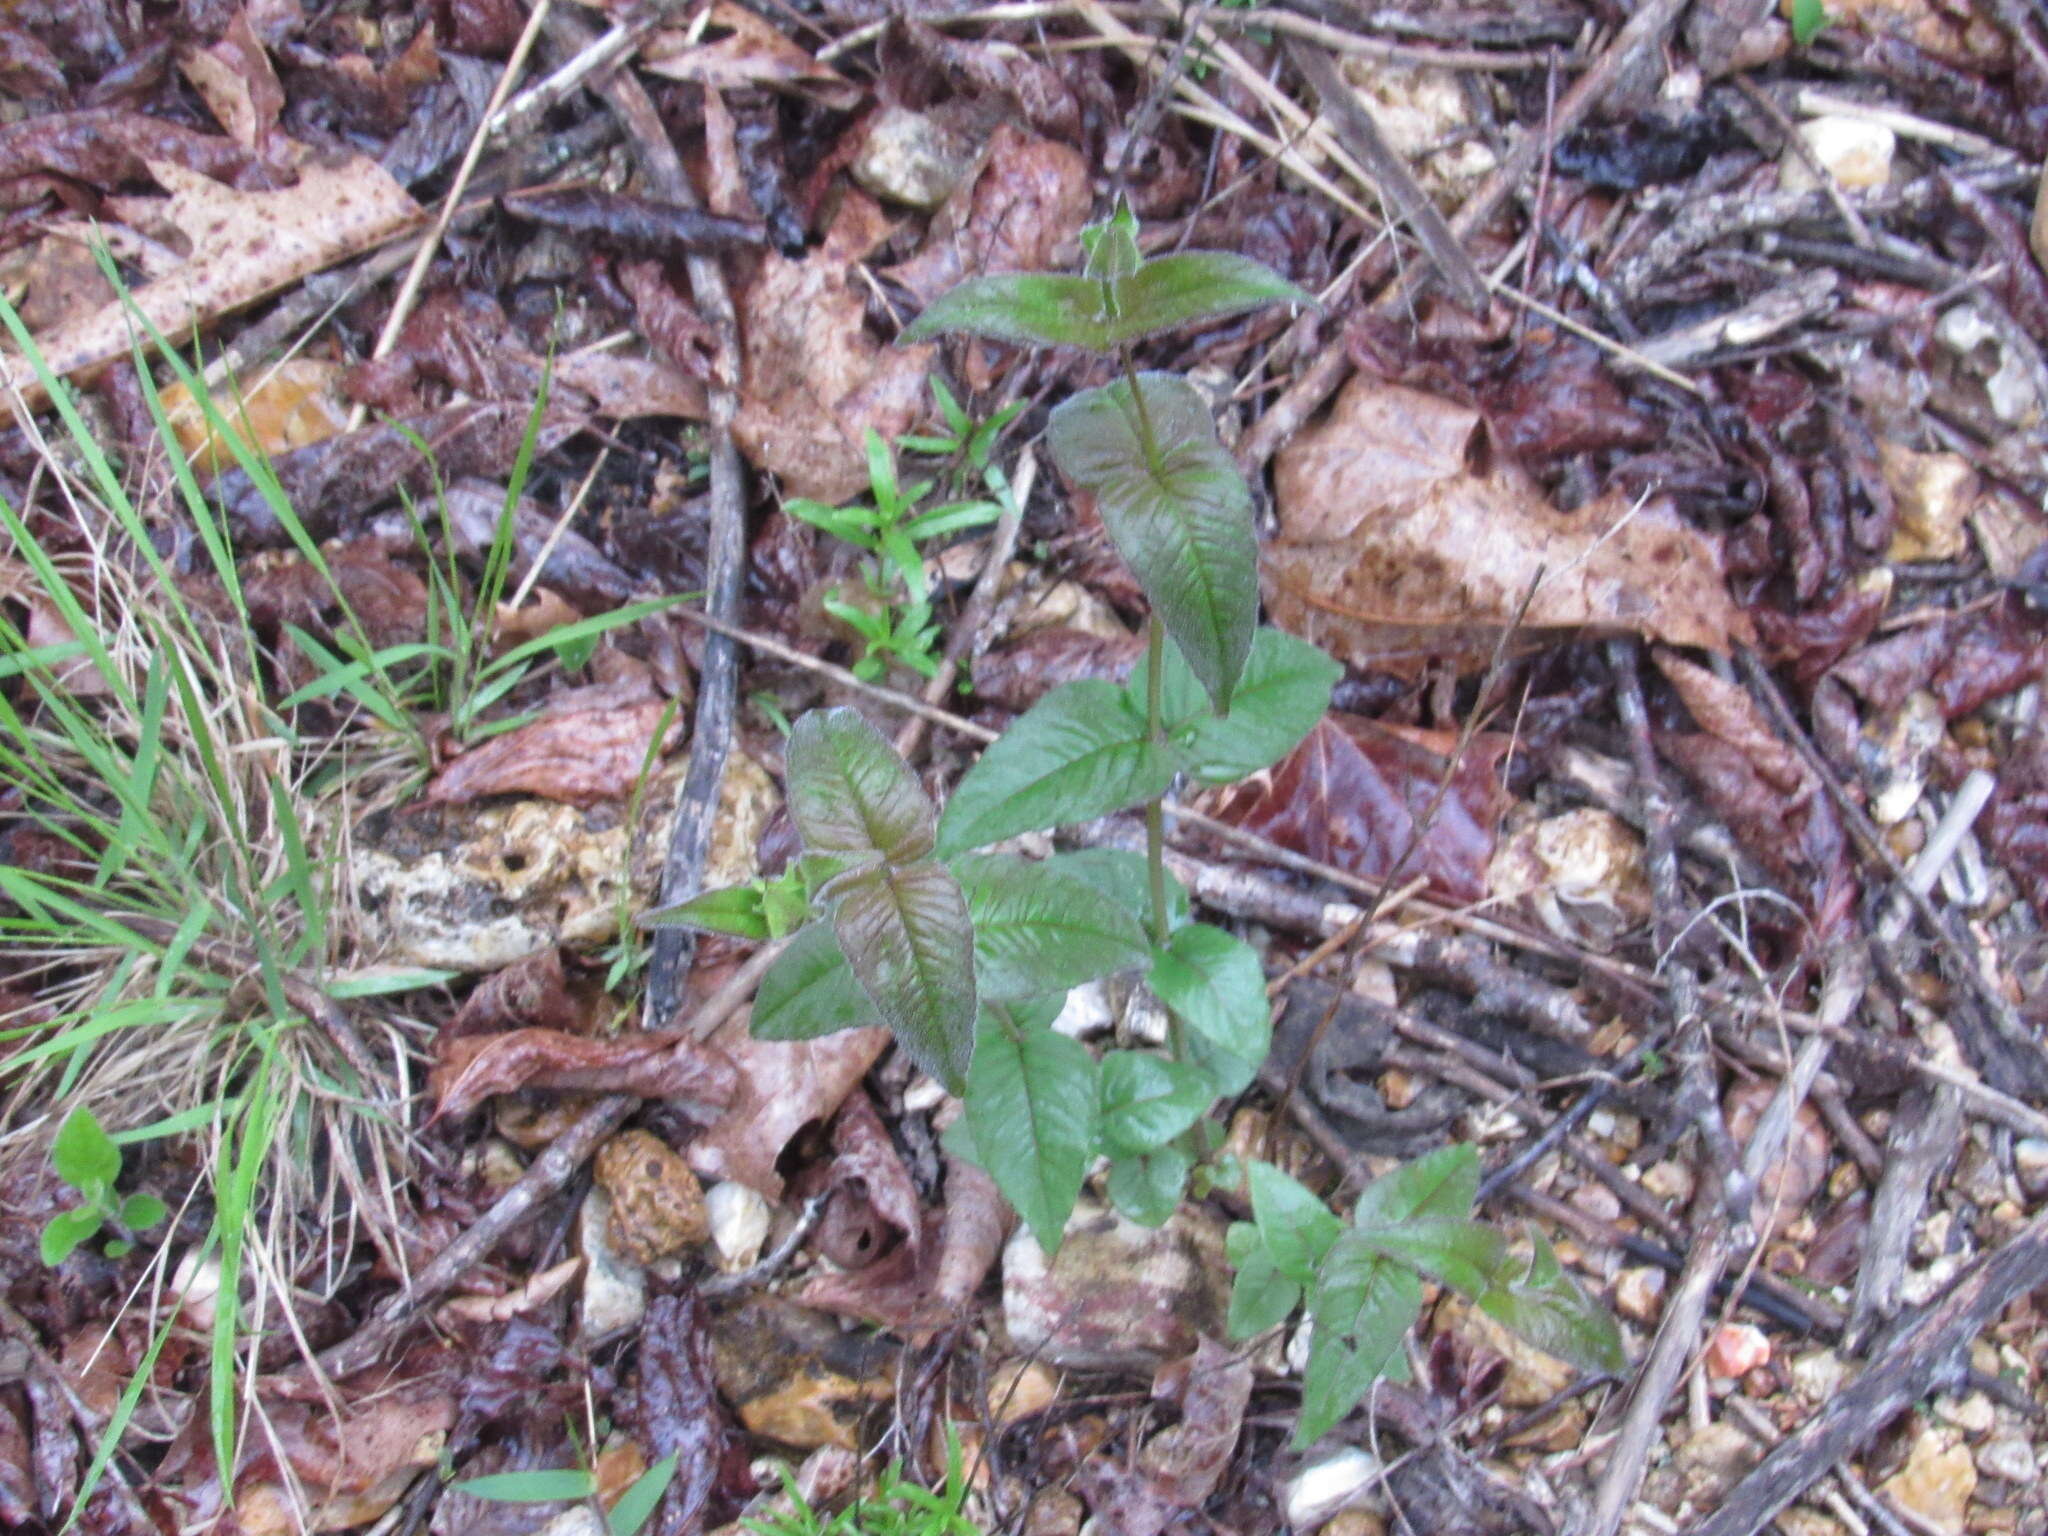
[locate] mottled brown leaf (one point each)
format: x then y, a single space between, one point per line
782 1087
1405 537
665 1065
579 756
926 1285
1024 213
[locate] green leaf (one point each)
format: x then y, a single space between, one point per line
850 793
1081 752
1031 1099
810 991
1171 291
1363 1305
1037 930
1121 875
140 1212
529 1487
118 1247
1544 1305
1260 1297
741 910
1147 1186
1111 247
83 1154
1031 309
1294 1226
1215 983
905 933
1808 17
1147 1101
64 1231
1445 1183
1284 691
1465 1255
638 1502
1178 511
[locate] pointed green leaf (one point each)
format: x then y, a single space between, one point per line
740 910
1171 291
1111 246
1148 1100
1363 1305
849 793
636 1505
82 1153
1260 1297
1121 875
1295 1227
536 1487
810 991
1147 1186
1178 511
63 1232
1031 1097
1081 752
1465 1255
905 933
1215 983
1037 930
1544 1305
1283 692
1444 1183
1031 309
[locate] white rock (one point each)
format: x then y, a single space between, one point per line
739 1218
196 1285
580 1521
1086 1012
2011 1458
2030 1160
1857 154
912 158
1319 1491
614 1296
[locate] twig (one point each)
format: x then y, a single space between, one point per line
772 1262
1916 1361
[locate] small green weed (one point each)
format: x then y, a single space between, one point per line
1808 18
86 1158
898 1507
626 1518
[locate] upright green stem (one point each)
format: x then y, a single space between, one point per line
1155 815
1146 440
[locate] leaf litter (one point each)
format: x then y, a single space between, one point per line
1492 523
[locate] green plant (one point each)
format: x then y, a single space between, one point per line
900 916
892 613
86 1158
626 1518
1808 17
1362 1284
898 1507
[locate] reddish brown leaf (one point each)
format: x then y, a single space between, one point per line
1020 674
1354 793
926 1285
107 148
531 993
782 1087
867 1176
677 1413
665 1065
1179 1467
1405 537
580 756
2016 827
1026 207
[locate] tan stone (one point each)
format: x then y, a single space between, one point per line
1936 1482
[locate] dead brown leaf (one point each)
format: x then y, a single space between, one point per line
292 405
1179 1467
350 1466
1404 537
242 247
814 376
783 1087
742 50
239 87
654 1065
580 756
1027 205
925 1285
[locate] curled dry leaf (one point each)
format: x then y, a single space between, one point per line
815 378
782 1087
239 86
666 1065
535 1293
866 1170
580 756
743 51
1027 205
242 246
1405 538
926 1285
348 1459
1179 1467
1355 793
533 993
106 146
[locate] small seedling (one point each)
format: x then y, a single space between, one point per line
902 916
626 1518
898 1507
893 617
86 1158
1808 17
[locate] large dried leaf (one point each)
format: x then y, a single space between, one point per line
1404 539
1025 209
242 246
580 756
344 1471
738 50
783 1087
815 378
1355 793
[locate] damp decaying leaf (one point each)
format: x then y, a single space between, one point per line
782 1087
1406 538
1355 793
677 1413
242 245
1180 1467
1022 213
738 50
814 378
794 1375
654 1065
581 756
